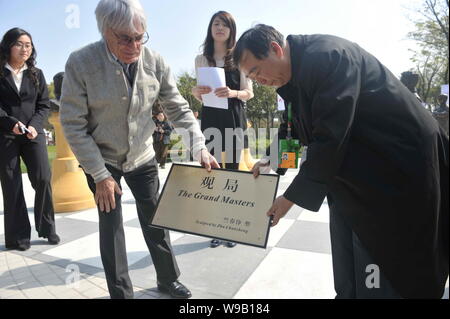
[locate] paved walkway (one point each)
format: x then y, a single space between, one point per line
296 263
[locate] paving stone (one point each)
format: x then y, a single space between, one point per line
95 292
11 290
17 296
296 264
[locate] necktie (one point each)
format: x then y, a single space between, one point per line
129 69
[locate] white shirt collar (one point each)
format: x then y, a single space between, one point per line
17 77
9 67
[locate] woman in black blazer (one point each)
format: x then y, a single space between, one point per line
24 105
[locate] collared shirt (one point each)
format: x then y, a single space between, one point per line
17 76
128 69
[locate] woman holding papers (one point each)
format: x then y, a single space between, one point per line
217 48
24 106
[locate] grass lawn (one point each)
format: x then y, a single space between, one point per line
51 149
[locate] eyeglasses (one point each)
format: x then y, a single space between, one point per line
24 46
126 40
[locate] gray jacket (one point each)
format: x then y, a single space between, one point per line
105 121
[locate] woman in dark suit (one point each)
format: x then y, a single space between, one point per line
24 105
217 52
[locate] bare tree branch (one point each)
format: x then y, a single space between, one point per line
432 6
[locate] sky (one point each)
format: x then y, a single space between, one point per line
177 28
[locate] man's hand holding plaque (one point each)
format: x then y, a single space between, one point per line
207 160
281 205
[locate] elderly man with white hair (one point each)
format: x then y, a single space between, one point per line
108 93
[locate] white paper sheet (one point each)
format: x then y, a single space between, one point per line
214 78
444 90
280 102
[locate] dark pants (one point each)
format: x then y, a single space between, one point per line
34 154
355 272
230 162
144 185
161 151
232 158
234 166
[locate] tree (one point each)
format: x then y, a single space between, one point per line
430 69
432 35
51 90
51 95
185 83
262 107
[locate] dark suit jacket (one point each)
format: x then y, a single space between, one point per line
377 154
30 105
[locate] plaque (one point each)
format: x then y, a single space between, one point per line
224 204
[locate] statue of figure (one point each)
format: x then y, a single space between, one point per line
410 80
57 82
441 112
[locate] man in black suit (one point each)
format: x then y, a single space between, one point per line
374 152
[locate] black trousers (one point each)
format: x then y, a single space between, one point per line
232 158
34 154
356 275
161 151
144 184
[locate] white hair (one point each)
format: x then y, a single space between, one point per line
120 15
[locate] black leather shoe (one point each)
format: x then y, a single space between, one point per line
176 289
230 244
53 239
21 245
214 243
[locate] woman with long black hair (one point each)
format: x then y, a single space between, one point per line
24 105
217 52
